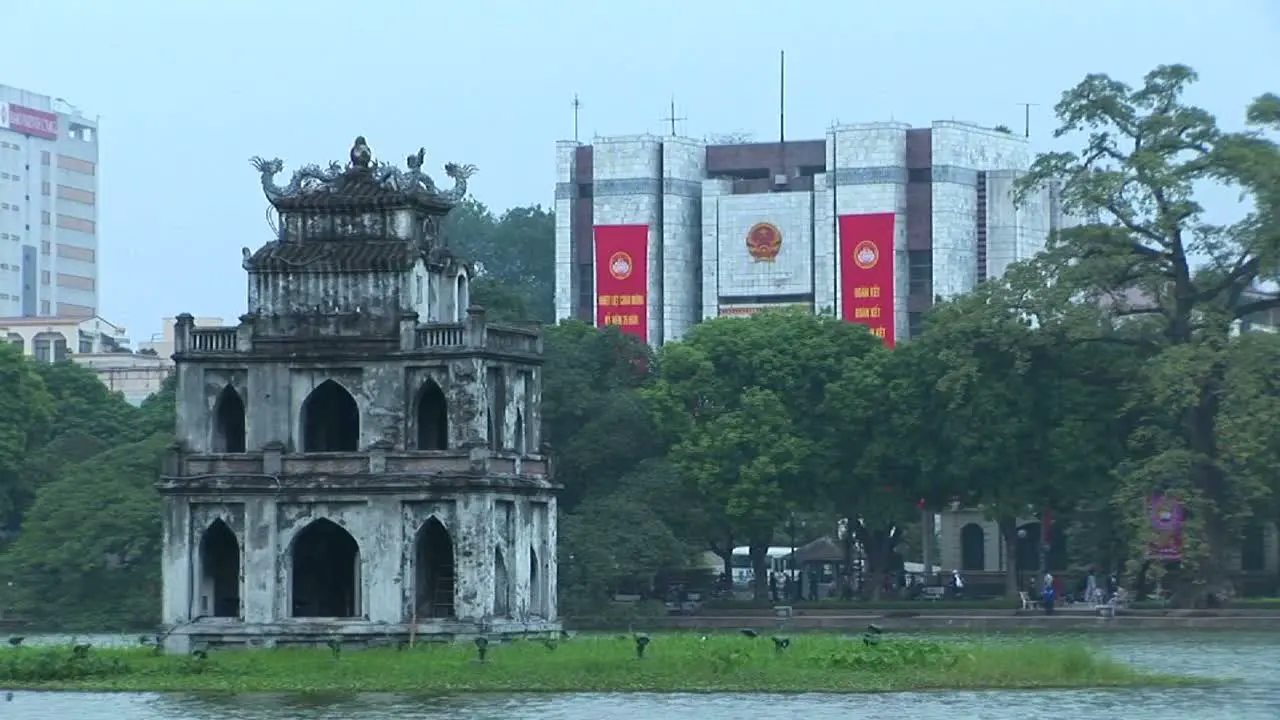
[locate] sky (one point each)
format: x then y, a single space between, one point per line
186 92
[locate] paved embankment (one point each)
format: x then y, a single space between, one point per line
980 620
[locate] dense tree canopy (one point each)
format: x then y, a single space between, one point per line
1104 371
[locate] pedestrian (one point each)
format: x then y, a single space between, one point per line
1048 594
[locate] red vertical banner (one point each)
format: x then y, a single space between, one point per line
622 278
866 272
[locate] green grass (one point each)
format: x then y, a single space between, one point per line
673 663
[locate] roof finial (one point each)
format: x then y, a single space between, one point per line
361 155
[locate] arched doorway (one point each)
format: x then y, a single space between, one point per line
433 571
973 548
501 586
16 339
330 420
219 571
1253 549
537 594
228 422
461 298
432 417
326 571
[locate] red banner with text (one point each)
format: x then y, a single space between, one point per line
622 278
866 272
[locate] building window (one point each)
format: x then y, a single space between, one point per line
76 165
76 282
73 310
586 289
44 157
915 324
71 252
45 188
920 175
44 247
44 307
66 222
920 272
85 197
45 278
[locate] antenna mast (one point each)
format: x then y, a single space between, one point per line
782 112
577 108
1026 118
672 117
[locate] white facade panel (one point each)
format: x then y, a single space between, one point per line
683 166
791 271
712 191
565 287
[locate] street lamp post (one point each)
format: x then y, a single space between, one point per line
791 560
1017 561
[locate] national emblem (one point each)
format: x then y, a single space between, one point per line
620 265
764 242
866 255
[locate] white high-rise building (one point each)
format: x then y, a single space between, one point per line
48 207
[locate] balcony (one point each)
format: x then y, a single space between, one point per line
369 471
472 334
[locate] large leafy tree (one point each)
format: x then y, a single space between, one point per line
89 553
26 416
593 418
737 401
1149 252
515 252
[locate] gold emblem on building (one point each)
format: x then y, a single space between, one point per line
764 242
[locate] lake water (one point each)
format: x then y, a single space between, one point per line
1253 659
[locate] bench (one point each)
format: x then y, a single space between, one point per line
1027 602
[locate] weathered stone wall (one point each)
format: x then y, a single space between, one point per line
566 283
867 172
627 190
791 272
960 150
385 528
712 191
683 167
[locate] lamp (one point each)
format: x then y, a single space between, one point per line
482 648
335 646
642 642
780 643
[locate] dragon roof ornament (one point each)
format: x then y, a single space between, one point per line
363 176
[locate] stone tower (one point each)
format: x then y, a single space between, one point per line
360 457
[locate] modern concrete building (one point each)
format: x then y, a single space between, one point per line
361 456
48 207
873 222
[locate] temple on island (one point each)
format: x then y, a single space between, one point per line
360 459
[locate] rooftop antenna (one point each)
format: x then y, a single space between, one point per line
672 117
577 109
1026 118
782 111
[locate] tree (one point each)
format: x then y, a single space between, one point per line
83 404
89 553
879 420
515 251
620 540
593 418
736 402
1135 181
26 416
